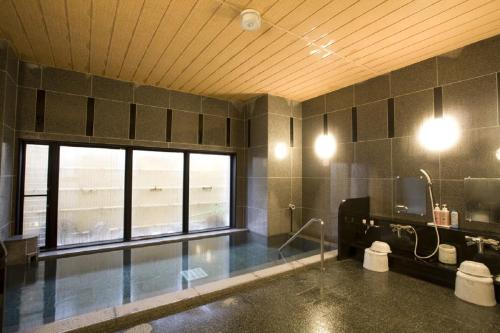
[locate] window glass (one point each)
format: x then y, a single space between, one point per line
157 183
91 195
35 191
209 191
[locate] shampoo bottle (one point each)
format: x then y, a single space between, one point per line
445 216
437 214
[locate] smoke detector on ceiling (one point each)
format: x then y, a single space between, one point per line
250 20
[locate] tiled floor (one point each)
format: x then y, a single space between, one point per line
345 299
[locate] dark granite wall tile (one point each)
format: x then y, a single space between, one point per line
313 106
408 157
312 166
372 159
411 110
257 193
342 163
419 76
184 127
3 54
61 80
112 89
237 133
151 123
9 60
214 106
9 112
236 111
372 90
256 161
296 157
340 99
111 119
2 93
185 102
474 156
279 130
258 131
256 107
214 130
470 61
279 105
149 95
65 114
316 193
297 109
472 102
26 107
372 121
311 129
8 147
279 192
30 75
339 125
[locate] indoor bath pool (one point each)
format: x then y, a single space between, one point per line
55 289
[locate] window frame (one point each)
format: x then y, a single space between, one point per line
53 190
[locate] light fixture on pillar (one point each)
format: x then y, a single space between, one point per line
325 146
497 154
439 134
280 151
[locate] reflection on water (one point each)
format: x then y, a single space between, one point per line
60 288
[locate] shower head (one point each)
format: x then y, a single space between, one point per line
426 174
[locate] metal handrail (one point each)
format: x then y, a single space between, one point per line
322 239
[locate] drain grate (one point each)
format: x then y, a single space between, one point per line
194 274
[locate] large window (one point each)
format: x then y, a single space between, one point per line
34 200
91 195
72 194
157 193
209 191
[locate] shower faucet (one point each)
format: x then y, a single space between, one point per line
397 228
481 242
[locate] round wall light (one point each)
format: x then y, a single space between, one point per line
280 150
325 146
439 134
497 154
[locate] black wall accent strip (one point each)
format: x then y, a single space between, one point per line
325 123
52 197
228 132
438 102
354 118
90 116
169 125
249 137
40 111
200 129
133 115
291 132
390 117
127 218
185 195
498 95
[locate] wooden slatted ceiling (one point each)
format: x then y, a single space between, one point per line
197 46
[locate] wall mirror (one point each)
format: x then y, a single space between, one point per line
482 200
410 196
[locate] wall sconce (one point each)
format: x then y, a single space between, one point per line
280 150
325 146
497 154
439 134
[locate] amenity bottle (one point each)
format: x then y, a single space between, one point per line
454 218
437 214
445 216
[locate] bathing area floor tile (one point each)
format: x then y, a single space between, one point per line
346 298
